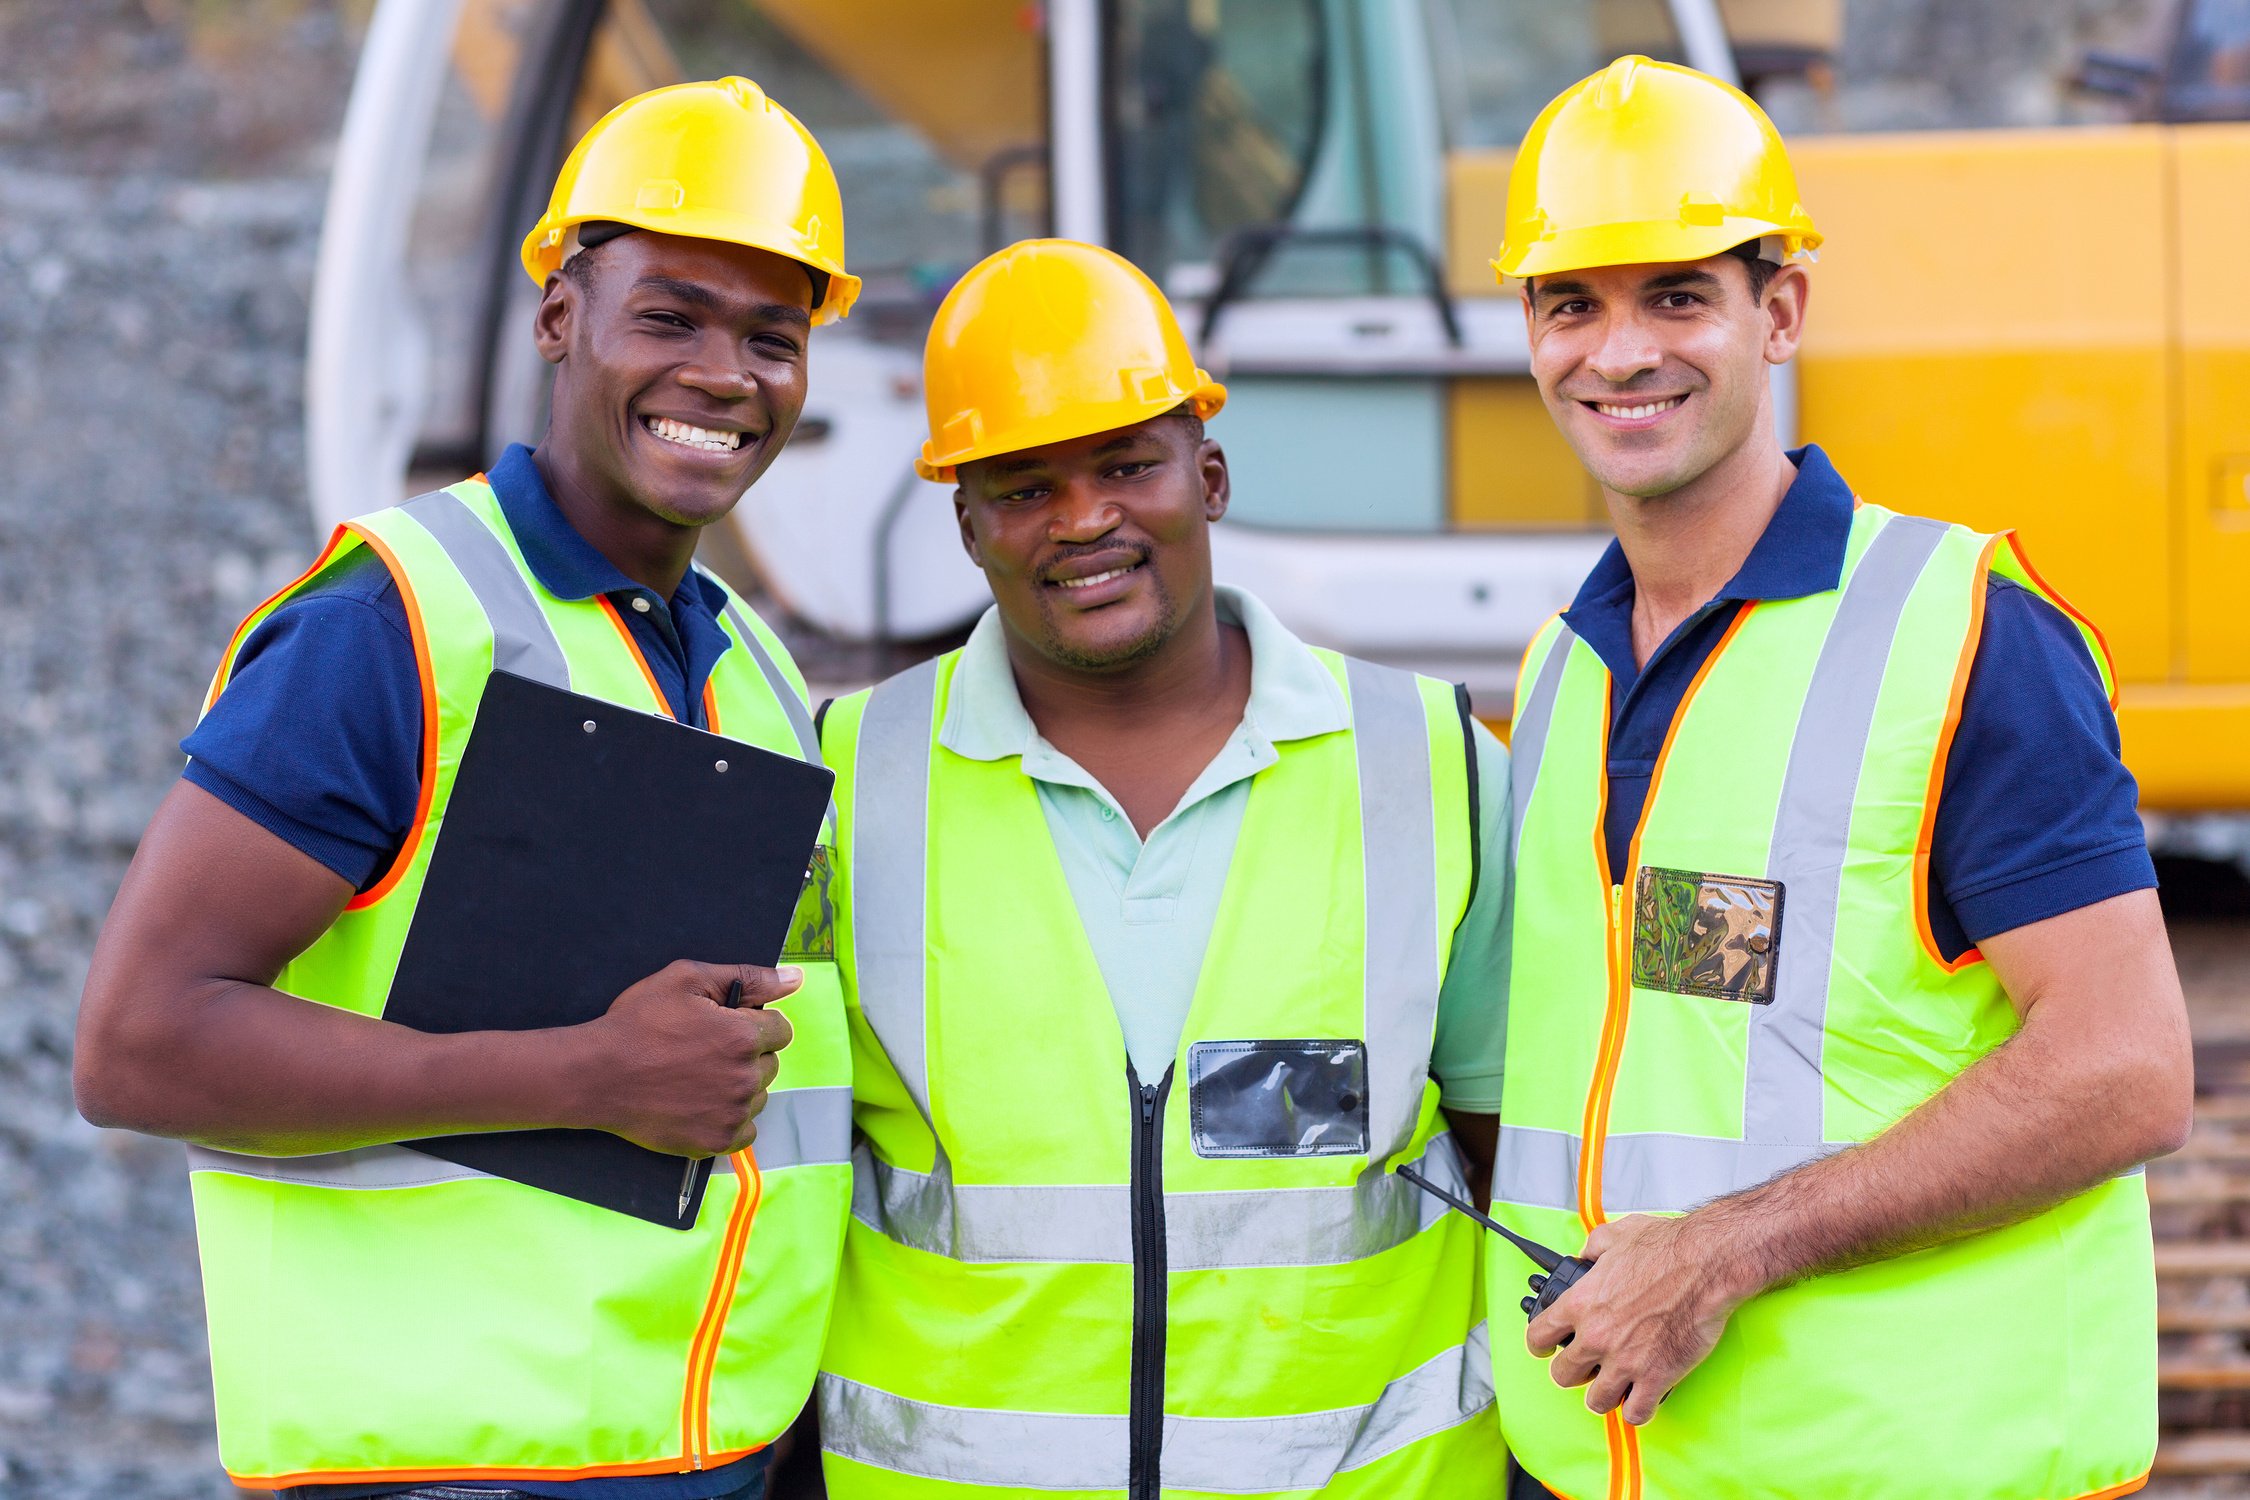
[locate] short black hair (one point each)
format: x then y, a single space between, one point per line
1756 266
595 233
1185 411
1761 270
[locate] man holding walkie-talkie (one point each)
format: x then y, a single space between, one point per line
384 1321
1842 1011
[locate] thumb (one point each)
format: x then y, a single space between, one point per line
760 986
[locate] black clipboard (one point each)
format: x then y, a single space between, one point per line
585 847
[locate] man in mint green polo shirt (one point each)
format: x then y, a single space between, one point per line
1149 901
1165 937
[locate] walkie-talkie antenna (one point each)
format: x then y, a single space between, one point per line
1543 1257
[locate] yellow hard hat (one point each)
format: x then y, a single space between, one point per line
1648 162
711 161
1048 340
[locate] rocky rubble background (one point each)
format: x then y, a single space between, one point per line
162 170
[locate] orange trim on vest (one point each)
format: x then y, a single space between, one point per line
1589 1203
2054 597
428 673
473 1471
711 707
257 616
1626 1441
1928 836
1623 1439
2127 1488
703 1350
625 634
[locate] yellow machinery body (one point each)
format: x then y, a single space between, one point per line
2048 330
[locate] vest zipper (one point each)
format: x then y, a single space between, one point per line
1146 1422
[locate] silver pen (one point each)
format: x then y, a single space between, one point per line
695 1163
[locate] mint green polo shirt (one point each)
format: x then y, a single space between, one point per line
1148 908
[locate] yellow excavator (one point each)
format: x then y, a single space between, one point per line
2048 328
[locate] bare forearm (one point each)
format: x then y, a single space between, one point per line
2036 1121
245 1068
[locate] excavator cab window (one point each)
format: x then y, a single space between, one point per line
1499 61
2209 76
1220 108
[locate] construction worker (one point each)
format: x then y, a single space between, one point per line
1164 937
383 1322
1843 1009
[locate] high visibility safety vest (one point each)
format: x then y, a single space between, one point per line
1758 988
380 1314
1063 1277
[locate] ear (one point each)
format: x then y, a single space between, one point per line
558 311
1785 299
968 532
1218 489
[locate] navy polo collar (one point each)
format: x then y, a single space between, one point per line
1801 551
565 563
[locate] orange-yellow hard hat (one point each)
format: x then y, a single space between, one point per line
1048 340
1648 162
711 161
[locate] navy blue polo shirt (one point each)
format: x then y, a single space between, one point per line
318 739
2036 815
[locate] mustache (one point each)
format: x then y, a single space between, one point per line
1139 552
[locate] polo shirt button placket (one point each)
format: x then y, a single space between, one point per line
640 603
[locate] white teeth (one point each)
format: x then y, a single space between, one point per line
689 436
1628 412
1087 583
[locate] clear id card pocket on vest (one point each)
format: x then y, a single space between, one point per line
1283 1098
812 928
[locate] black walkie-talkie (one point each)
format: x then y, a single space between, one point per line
1560 1270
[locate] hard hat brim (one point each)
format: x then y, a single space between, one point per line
1205 400
542 250
1665 242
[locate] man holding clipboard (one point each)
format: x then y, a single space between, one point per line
384 1320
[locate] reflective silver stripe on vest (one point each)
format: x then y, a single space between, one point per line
522 640
890 835
368 1169
778 683
1783 1089
1307 1450
1527 737
804 1128
1641 1173
1241 1455
797 1128
1093 1225
1398 852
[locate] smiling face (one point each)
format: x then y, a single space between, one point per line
1656 374
680 371
1097 548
